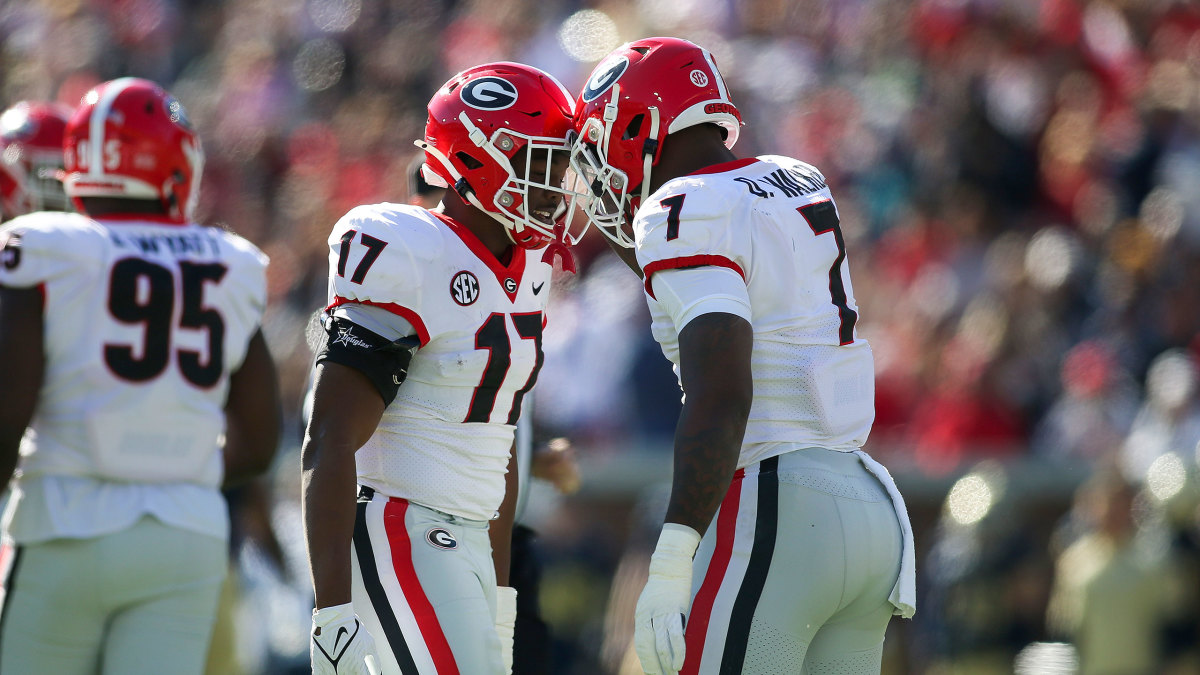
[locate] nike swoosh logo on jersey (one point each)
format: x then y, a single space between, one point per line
537 288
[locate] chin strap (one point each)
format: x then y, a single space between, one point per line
649 151
557 249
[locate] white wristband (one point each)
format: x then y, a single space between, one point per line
675 543
326 615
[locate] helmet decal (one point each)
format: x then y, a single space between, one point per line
604 77
489 93
699 78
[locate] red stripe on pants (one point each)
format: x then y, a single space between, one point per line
697 626
431 631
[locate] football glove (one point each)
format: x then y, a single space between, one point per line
662 607
506 621
341 644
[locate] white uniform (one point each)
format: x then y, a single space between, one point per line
434 468
760 238
144 323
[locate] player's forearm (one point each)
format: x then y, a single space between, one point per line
500 529
253 414
22 366
706 454
715 372
329 502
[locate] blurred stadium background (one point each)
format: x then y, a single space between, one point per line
1019 183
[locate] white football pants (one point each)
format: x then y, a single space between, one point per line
795 573
139 601
425 586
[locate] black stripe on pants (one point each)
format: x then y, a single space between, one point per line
761 554
379 599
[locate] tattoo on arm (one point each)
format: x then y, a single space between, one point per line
715 366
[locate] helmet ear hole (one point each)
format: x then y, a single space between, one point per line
468 161
635 126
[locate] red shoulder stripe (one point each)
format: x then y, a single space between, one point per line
685 262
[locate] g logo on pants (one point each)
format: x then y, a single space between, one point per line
441 538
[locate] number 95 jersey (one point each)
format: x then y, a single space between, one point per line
144 323
445 439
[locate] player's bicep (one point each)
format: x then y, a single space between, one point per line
381 362
714 364
346 407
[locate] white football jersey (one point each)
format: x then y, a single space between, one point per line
772 220
144 323
444 441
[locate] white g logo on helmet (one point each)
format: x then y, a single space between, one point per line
604 77
489 93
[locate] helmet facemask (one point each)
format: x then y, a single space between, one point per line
528 163
610 205
634 99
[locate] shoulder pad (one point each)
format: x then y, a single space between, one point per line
377 253
242 246
42 246
689 226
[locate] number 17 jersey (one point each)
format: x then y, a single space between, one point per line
444 441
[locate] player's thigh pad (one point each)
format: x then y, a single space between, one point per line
774 568
424 584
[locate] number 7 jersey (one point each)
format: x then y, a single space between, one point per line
772 221
444 441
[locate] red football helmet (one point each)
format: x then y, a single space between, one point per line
131 139
478 123
638 94
31 155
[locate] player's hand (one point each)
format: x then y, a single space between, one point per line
506 623
341 644
557 464
662 607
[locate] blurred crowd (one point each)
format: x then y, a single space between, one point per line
1017 181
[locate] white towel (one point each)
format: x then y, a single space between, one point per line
904 593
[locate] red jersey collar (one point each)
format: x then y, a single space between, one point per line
725 166
515 268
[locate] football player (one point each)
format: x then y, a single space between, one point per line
136 382
797 535
434 336
31 156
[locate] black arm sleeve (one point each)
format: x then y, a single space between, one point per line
384 363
